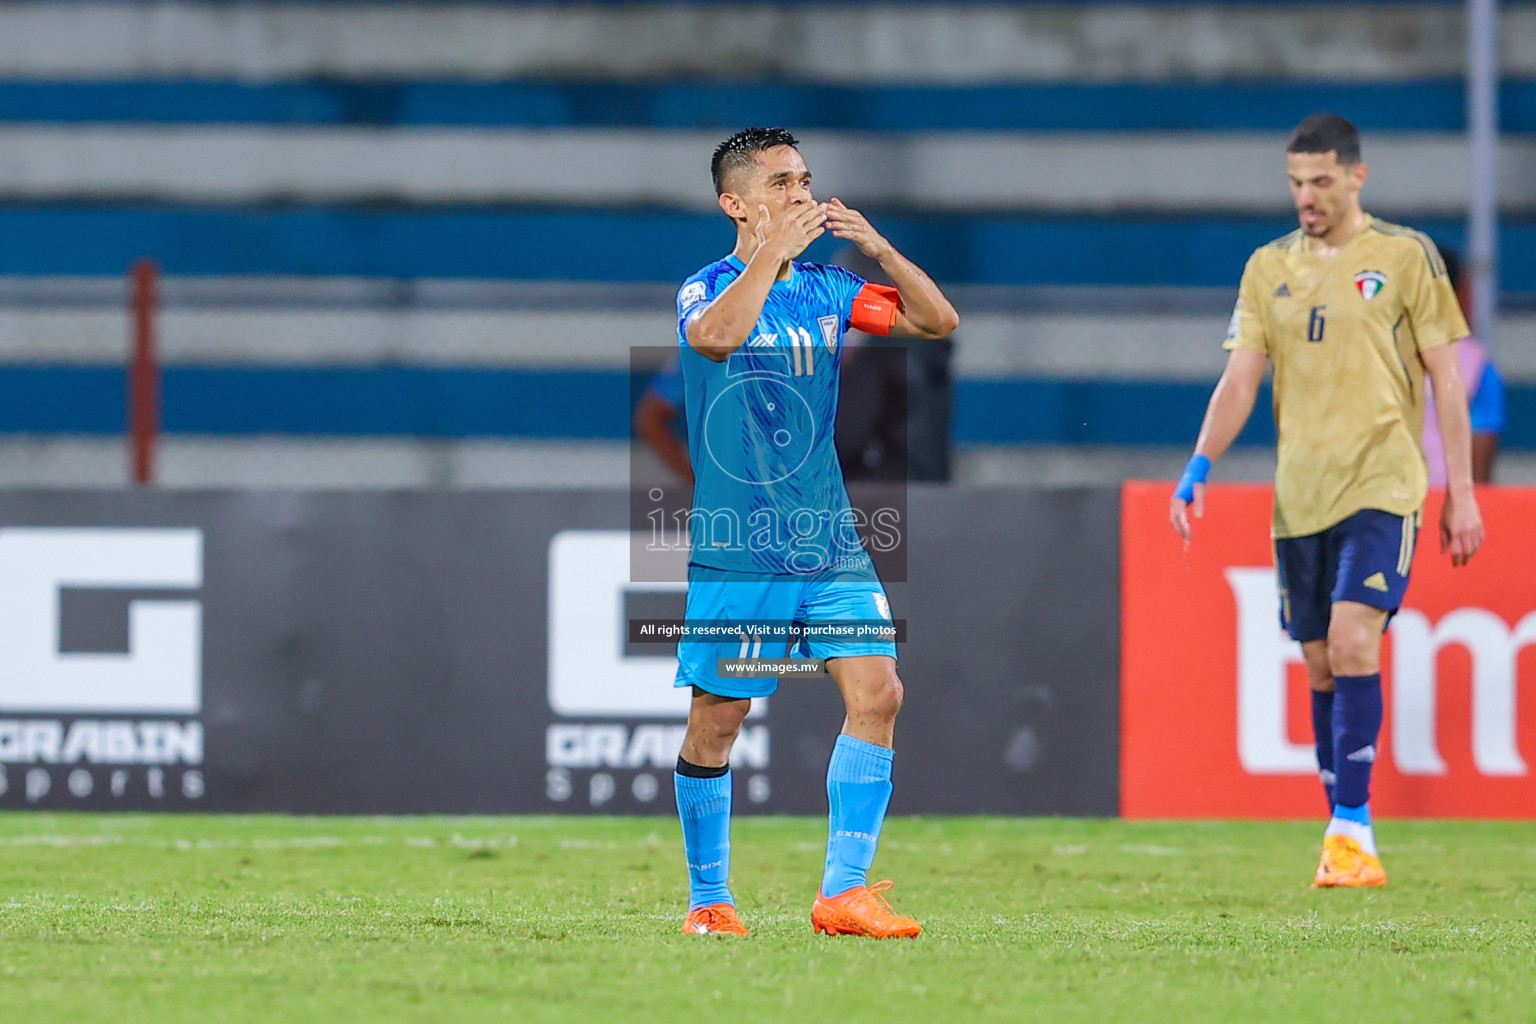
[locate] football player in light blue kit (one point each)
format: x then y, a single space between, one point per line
772 530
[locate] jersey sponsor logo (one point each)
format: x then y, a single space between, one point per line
1370 283
883 606
763 341
692 294
829 331
1284 291
1376 581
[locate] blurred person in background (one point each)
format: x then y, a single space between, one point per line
1485 395
1353 312
658 419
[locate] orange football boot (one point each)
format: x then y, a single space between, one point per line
862 910
715 919
1346 865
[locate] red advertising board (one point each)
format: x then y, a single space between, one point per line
1215 718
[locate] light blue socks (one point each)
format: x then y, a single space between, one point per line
858 793
704 807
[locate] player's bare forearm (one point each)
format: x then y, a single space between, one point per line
1231 403
924 311
1456 437
1230 406
1451 414
1461 522
726 323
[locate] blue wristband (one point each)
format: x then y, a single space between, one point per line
1194 473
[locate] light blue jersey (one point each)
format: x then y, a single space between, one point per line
769 494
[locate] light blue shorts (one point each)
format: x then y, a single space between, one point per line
717 596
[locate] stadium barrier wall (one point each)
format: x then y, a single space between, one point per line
465 652
1215 714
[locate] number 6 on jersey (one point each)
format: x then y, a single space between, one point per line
1315 324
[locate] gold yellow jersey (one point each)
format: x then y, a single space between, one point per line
1344 334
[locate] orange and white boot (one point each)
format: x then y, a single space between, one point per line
1346 865
862 910
716 919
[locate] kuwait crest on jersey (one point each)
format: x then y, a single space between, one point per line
1370 283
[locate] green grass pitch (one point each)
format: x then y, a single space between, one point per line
130 918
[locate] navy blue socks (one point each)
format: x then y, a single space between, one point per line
1322 732
1356 726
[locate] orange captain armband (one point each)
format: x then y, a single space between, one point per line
874 309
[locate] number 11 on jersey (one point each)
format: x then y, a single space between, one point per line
802 351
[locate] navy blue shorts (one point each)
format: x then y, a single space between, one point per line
1365 558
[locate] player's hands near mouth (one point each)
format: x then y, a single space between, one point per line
1461 529
787 235
851 225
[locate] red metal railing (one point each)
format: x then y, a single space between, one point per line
144 373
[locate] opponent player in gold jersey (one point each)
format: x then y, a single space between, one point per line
1352 311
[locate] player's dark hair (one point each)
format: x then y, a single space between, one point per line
740 151
1326 133
1452 260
